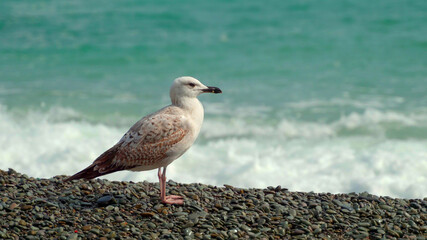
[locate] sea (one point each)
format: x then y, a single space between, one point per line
322 96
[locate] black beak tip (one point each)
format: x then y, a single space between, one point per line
212 90
217 90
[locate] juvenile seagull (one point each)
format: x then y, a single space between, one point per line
157 139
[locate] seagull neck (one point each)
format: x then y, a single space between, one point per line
191 105
187 103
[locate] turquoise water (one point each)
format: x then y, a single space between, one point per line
318 95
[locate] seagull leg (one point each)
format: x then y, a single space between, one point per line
162 192
171 199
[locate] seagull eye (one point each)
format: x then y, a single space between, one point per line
192 85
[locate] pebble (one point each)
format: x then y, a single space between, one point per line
101 209
188 232
95 230
109 208
364 224
147 214
386 207
361 235
73 236
305 222
297 232
13 206
188 225
26 207
119 219
330 211
106 200
265 207
86 227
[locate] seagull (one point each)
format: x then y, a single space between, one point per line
157 139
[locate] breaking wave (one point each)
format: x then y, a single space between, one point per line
382 152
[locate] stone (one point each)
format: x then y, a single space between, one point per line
86 227
64 210
297 232
109 208
73 236
106 200
13 206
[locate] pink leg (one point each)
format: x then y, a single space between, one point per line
171 199
162 192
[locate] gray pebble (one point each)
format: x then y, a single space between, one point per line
105 201
109 208
60 210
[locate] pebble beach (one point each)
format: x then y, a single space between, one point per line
32 208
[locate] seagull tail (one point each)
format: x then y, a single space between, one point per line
101 166
87 173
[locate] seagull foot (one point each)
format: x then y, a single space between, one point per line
173 199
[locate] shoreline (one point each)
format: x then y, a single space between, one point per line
102 209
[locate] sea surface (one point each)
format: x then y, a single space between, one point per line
323 96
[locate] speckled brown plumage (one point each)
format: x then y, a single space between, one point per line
146 143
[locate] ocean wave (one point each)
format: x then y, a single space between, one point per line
370 122
338 102
301 156
47 144
393 168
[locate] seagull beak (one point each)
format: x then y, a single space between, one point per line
212 90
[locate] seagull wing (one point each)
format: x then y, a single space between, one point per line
149 140
146 143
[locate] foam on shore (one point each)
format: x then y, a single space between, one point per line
356 153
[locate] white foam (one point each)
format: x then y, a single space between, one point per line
372 120
372 116
393 168
302 156
337 102
44 145
376 103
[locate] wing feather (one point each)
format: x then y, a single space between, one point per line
146 143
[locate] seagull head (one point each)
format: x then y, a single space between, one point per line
189 87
